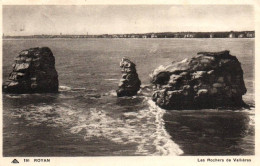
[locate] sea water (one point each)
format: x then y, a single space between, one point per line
87 119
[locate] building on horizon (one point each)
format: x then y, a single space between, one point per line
241 35
153 36
250 34
232 35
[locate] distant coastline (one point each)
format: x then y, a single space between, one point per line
226 34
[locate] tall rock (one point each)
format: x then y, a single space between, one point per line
33 72
208 80
129 84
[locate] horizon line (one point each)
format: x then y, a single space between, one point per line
137 33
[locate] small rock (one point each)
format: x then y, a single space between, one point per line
129 84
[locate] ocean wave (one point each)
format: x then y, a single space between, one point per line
19 96
143 128
168 146
49 115
72 89
110 93
13 96
64 88
251 120
67 88
78 89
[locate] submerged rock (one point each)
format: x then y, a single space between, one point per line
33 72
208 80
129 84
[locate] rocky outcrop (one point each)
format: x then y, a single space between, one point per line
129 84
33 72
208 80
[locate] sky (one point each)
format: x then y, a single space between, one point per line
119 19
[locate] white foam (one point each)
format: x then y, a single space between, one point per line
168 147
64 88
51 115
78 88
13 96
145 127
111 93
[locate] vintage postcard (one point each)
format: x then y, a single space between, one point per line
129 83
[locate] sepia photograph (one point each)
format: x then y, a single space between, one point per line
128 80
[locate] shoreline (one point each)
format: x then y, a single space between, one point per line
119 38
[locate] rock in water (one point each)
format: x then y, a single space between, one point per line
33 72
129 84
208 80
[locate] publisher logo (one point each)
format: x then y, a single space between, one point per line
15 161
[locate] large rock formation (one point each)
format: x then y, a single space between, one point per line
129 84
33 72
208 80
